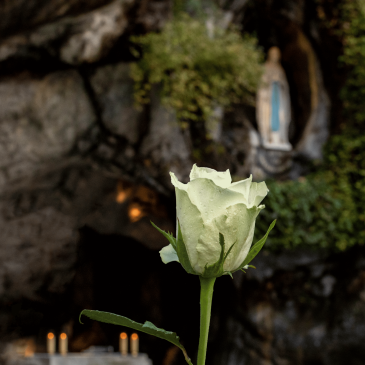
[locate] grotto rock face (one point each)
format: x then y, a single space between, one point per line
83 171
113 90
93 34
74 39
22 15
167 146
314 103
38 245
41 120
297 309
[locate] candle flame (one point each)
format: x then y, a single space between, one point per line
50 335
123 192
63 336
134 214
134 337
121 197
123 335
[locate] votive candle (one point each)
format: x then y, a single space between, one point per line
51 343
123 343
134 345
63 345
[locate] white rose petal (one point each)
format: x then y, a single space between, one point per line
258 191
177 183
242 187
168 254
208 247
237 227
191 224
210 199
222 179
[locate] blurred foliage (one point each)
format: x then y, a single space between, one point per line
352 32
346 21
197 67
325 209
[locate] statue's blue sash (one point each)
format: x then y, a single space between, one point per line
275 106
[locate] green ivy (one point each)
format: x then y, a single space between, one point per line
196 70
352 33
325 209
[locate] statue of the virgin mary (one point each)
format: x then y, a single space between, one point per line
273 104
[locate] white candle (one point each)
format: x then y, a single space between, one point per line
51 343
134 345
123 343
63 345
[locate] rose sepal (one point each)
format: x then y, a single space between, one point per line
216 270
182 252
167 235
176 250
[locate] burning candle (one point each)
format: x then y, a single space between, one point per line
51 343
134 345
63 344
123 343
135 214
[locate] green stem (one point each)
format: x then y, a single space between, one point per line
206 295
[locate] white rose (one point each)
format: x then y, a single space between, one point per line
215 222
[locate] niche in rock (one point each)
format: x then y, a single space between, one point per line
281 24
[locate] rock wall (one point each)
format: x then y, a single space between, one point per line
296 308
83 171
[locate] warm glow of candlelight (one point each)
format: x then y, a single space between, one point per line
134 337
121 197
135 213
124 191
63 336
50 335
28 352
123 335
